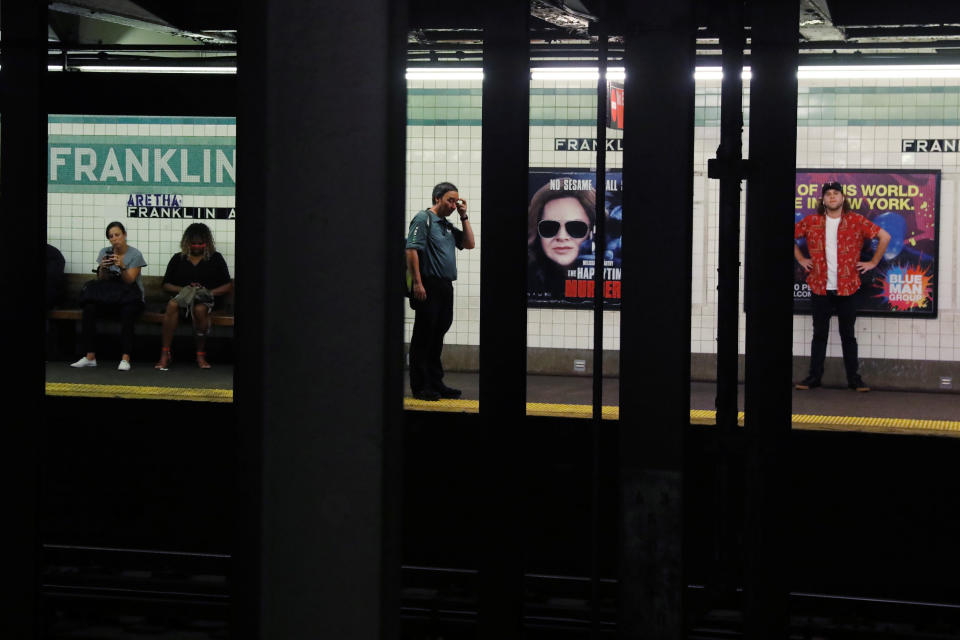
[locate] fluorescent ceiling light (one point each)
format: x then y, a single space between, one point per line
585 73
445 74
141 69
851 72
716 73
880 71
575 73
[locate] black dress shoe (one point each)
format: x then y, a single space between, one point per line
809 382
449 392
858 384
427 394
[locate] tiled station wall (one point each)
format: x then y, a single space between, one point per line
844 123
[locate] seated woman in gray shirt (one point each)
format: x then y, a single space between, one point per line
121 263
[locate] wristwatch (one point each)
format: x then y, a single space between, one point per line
464 218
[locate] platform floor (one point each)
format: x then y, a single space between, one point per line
887 411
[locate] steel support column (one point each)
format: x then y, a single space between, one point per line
655 340
23 113
599 250
319 356
768 301
729 168
503 310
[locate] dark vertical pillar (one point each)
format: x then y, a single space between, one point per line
768 300
655 338
599 251
320 196
503 313
23 140
599 236
728 167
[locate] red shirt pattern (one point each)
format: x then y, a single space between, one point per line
853 230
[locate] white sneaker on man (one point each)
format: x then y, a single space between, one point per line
84 362
124 365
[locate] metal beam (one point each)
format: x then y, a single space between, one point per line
769 313
655 372
23 158
730 169
503 312
316 546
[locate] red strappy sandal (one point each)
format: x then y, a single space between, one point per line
165 359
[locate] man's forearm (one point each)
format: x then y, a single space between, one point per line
413 265
796 252
468 241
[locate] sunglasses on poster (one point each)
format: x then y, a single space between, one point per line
575 228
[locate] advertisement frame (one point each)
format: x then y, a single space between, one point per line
609 304
873 313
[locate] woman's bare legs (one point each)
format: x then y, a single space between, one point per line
201 325
171 317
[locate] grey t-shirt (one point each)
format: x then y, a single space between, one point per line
132 258
440 260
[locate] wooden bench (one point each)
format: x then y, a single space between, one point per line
156 302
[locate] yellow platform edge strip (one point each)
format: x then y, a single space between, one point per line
697 416
132 392
700 416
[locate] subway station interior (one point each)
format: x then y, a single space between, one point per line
642 450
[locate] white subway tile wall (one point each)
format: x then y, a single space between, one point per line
841 124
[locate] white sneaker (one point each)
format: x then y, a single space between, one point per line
124 365
84 362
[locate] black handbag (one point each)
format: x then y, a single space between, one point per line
114 291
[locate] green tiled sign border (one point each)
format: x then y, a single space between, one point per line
191 143
817 106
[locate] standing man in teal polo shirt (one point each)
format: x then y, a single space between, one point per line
432 261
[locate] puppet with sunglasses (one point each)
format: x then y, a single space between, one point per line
197 276
559 229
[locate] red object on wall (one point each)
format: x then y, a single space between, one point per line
615 105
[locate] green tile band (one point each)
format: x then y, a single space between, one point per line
892 90
424 122
179 189
134 140
445 92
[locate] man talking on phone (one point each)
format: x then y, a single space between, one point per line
431 260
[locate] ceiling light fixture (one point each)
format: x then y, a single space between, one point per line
142 69
445 74
879 71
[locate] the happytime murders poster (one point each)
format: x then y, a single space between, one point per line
907 205
560 245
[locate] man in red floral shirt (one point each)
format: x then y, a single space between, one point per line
835 236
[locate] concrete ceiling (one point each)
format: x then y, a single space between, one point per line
199 30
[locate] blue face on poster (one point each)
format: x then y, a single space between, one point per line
560 238
896 226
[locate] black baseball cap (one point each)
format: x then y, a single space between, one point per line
831 185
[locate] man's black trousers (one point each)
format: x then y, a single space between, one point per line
433 318
845 307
